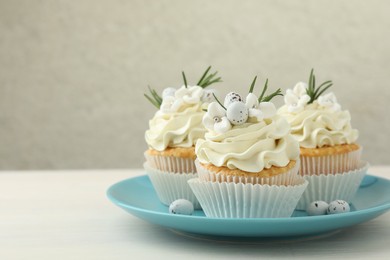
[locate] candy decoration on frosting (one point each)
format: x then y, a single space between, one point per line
232 97
329 101
297 98
168 92
216 119
258 110
208 95
237 113
220 118
303 94
172 99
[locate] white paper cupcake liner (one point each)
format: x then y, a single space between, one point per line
171 163
330 164
286 178
239 200
171 186
342 186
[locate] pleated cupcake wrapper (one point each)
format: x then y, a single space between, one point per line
330 164
171 163
342 186
239 200
286 178
171 186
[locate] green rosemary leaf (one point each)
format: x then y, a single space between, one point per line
184 78
264 90
252 85
208 79
152 101
323 90
154 94
155 99
203 76
311 80
218 101
314 83
314 92
214 81
320 86
268 98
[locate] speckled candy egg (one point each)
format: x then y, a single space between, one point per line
231 98
317 208
237 113
182 207
338 206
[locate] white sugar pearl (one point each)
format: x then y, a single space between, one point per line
317 208
232 97
237 113
168 92
338 206
182 207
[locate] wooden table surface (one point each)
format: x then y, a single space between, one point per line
66 215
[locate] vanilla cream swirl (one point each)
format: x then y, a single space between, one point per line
177 129
250 147
316 126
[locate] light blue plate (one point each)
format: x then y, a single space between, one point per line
137 196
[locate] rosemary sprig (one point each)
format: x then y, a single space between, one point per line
314 92
155 98
208 79
267 98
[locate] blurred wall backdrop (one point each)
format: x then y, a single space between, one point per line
73 73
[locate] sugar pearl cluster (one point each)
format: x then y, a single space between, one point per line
173 99
297 99
236 111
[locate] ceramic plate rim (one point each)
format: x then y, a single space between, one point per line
377 208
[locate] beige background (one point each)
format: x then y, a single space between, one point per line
73 73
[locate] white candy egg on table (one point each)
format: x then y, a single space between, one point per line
338 206
317 208
237 113
182 207
231 98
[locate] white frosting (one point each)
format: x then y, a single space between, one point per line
319 125
250 147
178 123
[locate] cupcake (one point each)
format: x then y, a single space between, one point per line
171 137
329 153
248 161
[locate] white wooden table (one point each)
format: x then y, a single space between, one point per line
66 215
